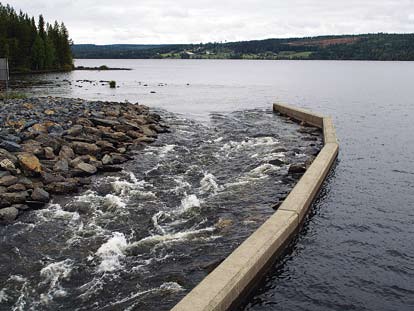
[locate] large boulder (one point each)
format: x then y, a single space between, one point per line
29 162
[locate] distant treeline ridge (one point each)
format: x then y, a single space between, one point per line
379 46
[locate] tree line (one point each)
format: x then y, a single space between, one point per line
379 46
32 45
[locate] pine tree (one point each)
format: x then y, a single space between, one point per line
33 47
38 54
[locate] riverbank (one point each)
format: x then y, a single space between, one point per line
53 145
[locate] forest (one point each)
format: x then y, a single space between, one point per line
380 46
33 45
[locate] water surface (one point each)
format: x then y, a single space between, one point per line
356 251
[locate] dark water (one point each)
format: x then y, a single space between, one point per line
356 251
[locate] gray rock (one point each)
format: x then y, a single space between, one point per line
4 154
75 130
61 166
104 122
4 173
297 169
7 165
87 168
62 187
40 195
110 168
84 148
49 178
117 136
10 146
21 207
10 198
118 159
49 153
26 182
35 204
107 159
29 124
55 129
122 150
279 149
13 138
66 152
277 162
147 131
16 188
8 214
8 180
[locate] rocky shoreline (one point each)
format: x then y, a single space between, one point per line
53 145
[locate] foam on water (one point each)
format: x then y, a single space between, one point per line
255 142
21 301
182 186
172 237
111 252
113 202
164 287
53 274
188 202
209 184
3 296
162 151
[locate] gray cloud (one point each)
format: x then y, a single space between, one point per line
190 21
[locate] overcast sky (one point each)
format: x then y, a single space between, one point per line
194 21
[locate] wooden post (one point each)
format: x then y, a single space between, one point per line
4 76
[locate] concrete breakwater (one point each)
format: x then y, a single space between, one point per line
53 146
223 287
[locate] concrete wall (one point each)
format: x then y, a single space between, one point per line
232 278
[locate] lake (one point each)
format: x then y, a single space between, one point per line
356 249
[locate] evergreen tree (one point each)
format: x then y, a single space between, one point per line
38 54
33 47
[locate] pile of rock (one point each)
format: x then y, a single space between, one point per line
53 146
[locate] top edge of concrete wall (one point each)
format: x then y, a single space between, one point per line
323 122
227 284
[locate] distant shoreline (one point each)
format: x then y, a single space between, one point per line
100 68
380 46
